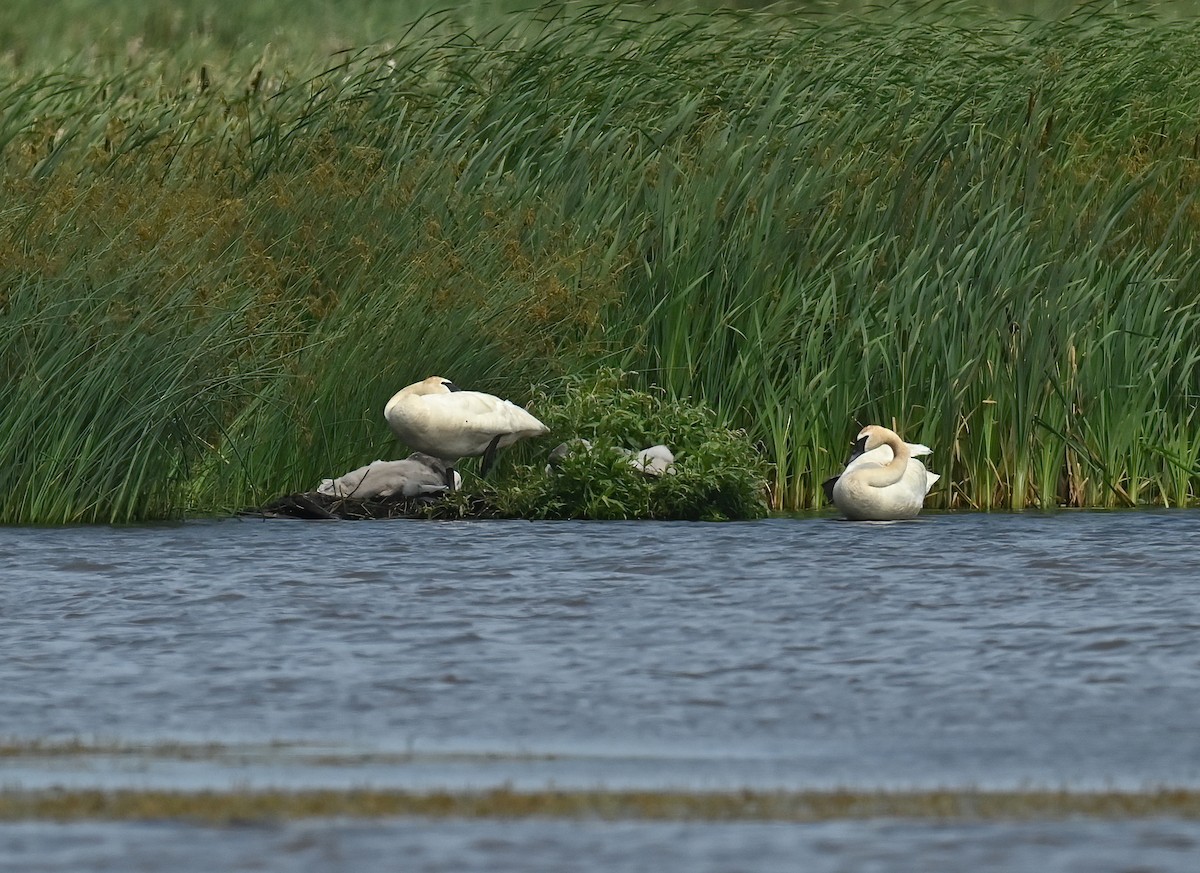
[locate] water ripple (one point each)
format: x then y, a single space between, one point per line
1057 649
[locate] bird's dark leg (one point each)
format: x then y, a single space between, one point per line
489 456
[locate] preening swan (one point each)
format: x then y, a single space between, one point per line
417 474
883 480
880 454
436 417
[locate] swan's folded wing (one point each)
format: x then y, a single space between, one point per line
478 413
654 461
344 485
877 456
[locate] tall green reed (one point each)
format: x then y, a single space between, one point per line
977 230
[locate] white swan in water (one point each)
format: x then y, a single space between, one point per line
415 475
882 481
880 454
436 417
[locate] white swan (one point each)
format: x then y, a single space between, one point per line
883 480
655 461
415 475
436 417
879 454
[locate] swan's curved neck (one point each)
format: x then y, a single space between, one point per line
893 471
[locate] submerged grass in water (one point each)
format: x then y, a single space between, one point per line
942 805
978 230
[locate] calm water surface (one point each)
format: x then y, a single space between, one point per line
955 650
565 847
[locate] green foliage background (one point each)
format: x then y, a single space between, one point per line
223 245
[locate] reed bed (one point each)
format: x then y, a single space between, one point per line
215 266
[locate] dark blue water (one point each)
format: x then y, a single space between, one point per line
956 650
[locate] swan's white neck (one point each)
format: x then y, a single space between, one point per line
893 471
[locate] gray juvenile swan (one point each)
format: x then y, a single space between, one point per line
415 475
885 481
436 417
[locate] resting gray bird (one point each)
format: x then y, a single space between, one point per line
417 474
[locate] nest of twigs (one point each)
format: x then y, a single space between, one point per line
314 505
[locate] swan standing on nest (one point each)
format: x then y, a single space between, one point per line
436 417
884 481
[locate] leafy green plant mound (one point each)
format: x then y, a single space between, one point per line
718 475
